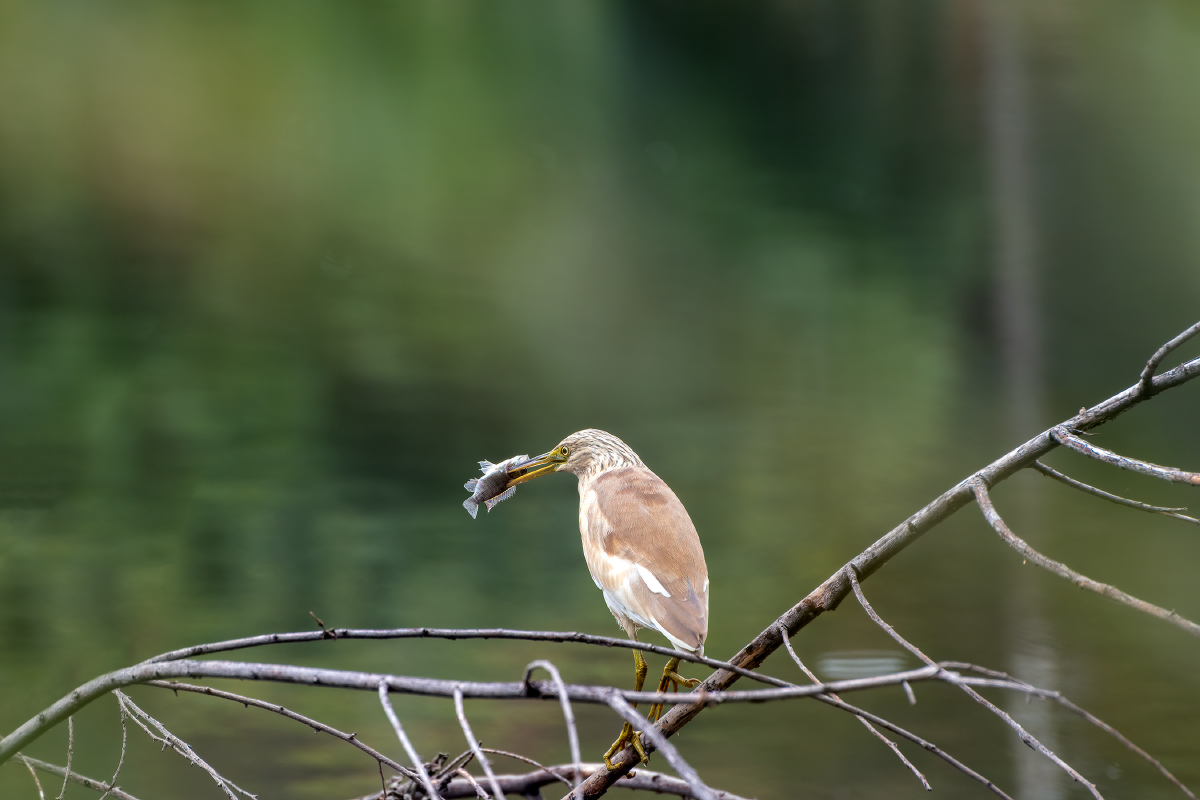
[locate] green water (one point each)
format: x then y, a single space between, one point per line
274 276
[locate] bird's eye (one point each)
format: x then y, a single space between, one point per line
566 451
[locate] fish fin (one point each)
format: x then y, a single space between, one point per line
485 467
471 484
500 498
471 506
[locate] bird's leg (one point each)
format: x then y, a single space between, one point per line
628 735
673 680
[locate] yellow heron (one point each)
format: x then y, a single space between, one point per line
641 548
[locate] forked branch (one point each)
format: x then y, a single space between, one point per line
1067 480
1063 571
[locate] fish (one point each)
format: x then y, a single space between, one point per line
493 487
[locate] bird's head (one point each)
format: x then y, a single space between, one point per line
585 452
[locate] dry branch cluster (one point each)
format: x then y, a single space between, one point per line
445 777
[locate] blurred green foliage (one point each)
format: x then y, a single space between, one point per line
273 276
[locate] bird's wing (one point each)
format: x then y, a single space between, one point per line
642 548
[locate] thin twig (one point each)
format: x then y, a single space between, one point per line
1083 487
121 760
169 739
527 760
418 765
874 731
568 715
75 777
479 792
660 743
1064 437
1145 380
33 774
1063 571
350 738
475 747
1026 737
70 750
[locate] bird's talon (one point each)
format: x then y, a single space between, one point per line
636 741
630 737
679 680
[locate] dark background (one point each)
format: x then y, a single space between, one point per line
273 276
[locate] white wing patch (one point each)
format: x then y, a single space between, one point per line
651 582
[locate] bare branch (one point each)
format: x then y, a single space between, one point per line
572 734
82 780
169 739
1025 736
1145 384
554 776
834 589
874 731
418 765
120 761
447 633
351 738
1083 487
529 783
1068 439
1063 571
474 744
33 774
656 740
469 778
70 750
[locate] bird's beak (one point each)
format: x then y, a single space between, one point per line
535 467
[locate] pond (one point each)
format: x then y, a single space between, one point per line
273 278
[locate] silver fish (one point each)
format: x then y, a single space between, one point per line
493 487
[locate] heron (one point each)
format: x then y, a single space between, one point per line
641 548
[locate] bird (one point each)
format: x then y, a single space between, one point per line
641 548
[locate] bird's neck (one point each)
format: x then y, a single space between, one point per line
603 462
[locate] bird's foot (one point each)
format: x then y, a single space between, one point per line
628 736
679 680
671 680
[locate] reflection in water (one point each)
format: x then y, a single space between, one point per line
847 664
1018 306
